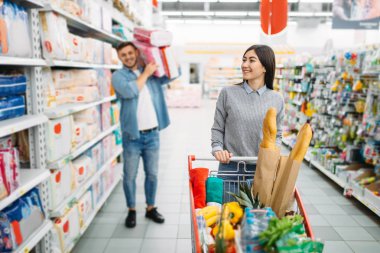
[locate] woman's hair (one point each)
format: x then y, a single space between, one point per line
268 60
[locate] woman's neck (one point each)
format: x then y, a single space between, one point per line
256 84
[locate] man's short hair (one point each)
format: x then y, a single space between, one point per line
125 44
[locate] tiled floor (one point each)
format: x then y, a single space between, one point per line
343 224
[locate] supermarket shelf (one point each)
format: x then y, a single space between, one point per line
83 27
74 64
17 61
329 174
97 208
29 178
63 161
67 109
75 196
36 237
121 19
367 203
14 125
29 3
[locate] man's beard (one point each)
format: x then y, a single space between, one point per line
132 65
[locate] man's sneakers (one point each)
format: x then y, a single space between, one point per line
154 215
130 221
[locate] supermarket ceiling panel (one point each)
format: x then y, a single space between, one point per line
320 10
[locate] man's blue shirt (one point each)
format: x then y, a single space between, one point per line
124 83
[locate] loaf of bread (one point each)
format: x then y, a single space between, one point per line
303 141
269 129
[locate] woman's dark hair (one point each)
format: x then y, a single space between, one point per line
268 60
125 44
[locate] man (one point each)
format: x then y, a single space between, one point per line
143 114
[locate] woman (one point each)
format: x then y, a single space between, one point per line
240 111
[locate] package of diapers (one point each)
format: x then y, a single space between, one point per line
151 54
59 137
83 167
88 116
61 184
85 207
171 67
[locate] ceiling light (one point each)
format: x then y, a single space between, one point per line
175 21
198 21
254 13
230 13
197 13
323 14
171 13
250 22
226 22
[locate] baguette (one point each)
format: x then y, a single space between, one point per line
269 129
302 144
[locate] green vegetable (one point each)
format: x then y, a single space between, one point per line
277 228
246 198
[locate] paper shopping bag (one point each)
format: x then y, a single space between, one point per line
284 185
266 168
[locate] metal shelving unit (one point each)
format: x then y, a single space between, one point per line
19 61
86 65
29 179
77 152
29 3
79 26
75 196
68 109
14 125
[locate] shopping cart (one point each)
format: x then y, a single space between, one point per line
231 185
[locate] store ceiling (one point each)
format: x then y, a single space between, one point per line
243 10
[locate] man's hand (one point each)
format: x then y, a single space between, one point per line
223 156
150 68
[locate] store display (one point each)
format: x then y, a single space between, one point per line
15 36
20 219
59 137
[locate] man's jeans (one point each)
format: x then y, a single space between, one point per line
147 147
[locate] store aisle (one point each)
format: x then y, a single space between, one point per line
343 224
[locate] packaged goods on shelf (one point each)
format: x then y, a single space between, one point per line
15 36
83 167
79 134
11 85
88 116
122 32
96 155
49 89
109 146
19 220
59 137
151 54
118 136
106 20
61 184
158 38
171 67
85 206
97 190
106 115
12 107
104 82
115 113
9 171
66 229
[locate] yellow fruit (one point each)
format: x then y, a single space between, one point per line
269 129
228 230
212 220
209 211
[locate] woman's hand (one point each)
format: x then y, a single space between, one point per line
223 156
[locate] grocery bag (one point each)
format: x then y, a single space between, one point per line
266 168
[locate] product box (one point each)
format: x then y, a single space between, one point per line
151 54
67 228
96 154
61 184
79 134
88 116
106 115
83 167
59 137
85 207
170 64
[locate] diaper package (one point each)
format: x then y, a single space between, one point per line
83 167
106 115
14 30
85 207
11 85
115 113
10 169
171 67
49 89
12 107
79 134
107 53
158 38
151 54
59 137
61 184
97 190
88 116
96 155
104 83
23 217
106 20
67 229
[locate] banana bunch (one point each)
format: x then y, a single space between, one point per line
211 214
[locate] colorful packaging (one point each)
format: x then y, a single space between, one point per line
10 168
85 207
106 115
11 85
96 155
79 134
12 107
61 184
158 38
171 67
151 54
